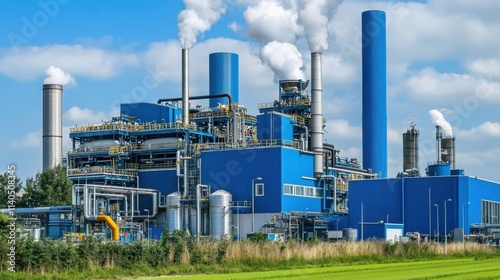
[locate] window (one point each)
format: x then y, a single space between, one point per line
287 189
259 189
490 212
299 190
309 191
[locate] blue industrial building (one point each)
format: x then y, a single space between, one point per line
418 203
217 171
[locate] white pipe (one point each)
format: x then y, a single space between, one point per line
185 87
316 113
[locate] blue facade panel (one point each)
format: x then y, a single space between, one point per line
234 170
423 201
418 203
296 165
149 112
479 190
223 77
374 113
274 126
163 180
378 199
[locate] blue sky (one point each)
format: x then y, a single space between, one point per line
441 55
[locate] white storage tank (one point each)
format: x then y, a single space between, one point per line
220 214
174 211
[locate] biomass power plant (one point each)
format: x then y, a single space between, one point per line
217 171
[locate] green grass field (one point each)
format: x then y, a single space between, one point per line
445 269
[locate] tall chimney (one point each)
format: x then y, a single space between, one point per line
52 125
185 86
316 113
374 92
439 136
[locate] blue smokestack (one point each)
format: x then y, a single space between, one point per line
374 92
223 75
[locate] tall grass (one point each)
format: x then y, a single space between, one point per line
183 254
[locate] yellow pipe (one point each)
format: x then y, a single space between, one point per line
114 228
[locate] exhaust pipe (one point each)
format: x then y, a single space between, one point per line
185 87
52 125
316 113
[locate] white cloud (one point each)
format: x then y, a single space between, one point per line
394 136
31 140
76 116
342 129
30 62
485 67
486 129
430 86
234 26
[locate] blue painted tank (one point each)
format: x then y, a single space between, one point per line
223 77
438 169
374 92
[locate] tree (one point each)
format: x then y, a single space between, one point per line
52 187
8 183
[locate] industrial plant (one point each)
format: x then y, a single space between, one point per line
219 172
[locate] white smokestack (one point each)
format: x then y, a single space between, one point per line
197 18
439 120
284 59
314 16
56 75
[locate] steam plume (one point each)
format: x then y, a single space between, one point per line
438 119
56 75
275 27
197 18
314 16
284 59
271 21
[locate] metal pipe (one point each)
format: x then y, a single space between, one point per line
185 86
316 113
353 170
198 98
438 141
52 125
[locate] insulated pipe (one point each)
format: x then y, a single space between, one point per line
185 86
316 113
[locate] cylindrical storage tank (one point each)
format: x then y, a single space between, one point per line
52 125
174 211
350 234
438 169
374 116
223 76
448 150
220 215
410 149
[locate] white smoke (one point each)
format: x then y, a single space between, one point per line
314 16
197 18
275 26
438 119
271 21
284 59
56 75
